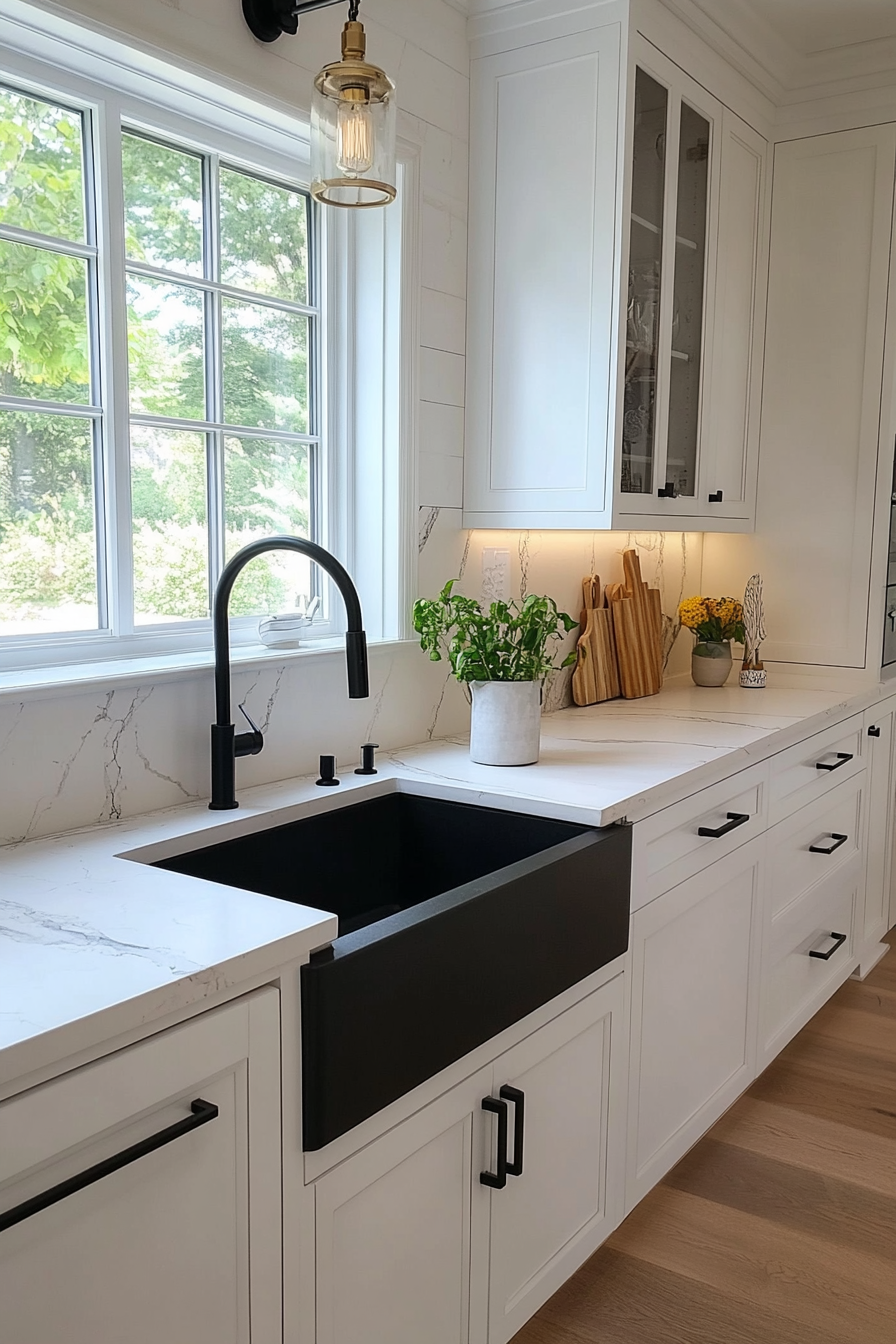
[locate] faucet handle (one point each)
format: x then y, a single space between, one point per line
368 757
248 744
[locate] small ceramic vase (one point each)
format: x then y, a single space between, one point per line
711 663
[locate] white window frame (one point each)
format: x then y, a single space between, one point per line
367 282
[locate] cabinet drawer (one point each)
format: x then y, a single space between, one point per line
803 963
813 843
811 768
668 847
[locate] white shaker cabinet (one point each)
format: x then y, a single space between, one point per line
542 282
402 1231
832 212
570 1077
617 221
413 1244
182 1243
694 1003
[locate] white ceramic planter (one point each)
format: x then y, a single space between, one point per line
506 722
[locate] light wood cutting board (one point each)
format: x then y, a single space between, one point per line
596 674
637 621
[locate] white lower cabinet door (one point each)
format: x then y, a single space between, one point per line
564 1090
99 1244
402 1231
695 974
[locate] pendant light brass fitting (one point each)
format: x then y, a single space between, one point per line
352 110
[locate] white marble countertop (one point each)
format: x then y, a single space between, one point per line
94 945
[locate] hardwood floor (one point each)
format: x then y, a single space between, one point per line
779 1227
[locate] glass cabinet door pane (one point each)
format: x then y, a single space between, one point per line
687 312
646 249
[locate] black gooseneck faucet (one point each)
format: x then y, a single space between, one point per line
227 743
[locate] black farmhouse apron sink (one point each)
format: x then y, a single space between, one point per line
455 921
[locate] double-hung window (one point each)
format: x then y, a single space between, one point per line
170 348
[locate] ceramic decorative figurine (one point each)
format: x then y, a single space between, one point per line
752 673
715 621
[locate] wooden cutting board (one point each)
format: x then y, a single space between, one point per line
596 674
637 622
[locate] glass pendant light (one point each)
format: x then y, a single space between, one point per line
353 127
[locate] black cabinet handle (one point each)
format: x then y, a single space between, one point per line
842 758
498 1180
667 491
735 819
874 731
715 497
838 841
839 940
515 1168
202 1112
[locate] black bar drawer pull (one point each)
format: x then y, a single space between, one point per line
202 1112
838 841
839 940
497 1180
515 1168
842 758
874 731
716 497
735 819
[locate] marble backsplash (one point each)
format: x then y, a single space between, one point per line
93 755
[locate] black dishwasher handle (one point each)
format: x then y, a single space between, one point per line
497 1180
735 819
513 1094
202 1112
838 841
842 758
839 940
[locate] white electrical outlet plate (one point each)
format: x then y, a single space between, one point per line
495 575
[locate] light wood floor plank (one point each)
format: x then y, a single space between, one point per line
764 1265
619 1299
868 998
868 1031
817 1203
806 1140
820 1078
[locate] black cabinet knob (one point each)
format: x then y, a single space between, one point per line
715 497
667 491
874 731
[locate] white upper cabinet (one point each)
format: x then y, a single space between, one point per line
616 221
542 281
821 400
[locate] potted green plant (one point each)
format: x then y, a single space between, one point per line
503 654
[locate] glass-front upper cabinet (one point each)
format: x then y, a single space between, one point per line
674 174
645 272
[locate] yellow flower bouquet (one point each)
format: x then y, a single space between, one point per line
714 620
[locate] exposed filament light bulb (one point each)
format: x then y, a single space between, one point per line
355 136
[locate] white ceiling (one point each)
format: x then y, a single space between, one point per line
818 25
811 26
